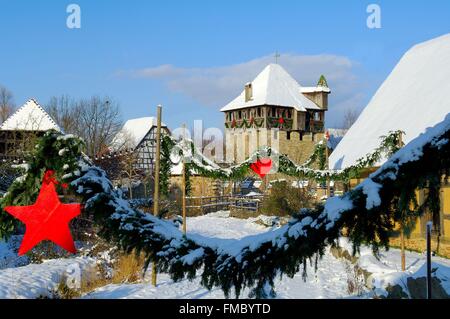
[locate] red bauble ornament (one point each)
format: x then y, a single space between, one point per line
47 219
262 167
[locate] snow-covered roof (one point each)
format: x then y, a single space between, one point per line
176 169
133 132
273 86
412 98
29 117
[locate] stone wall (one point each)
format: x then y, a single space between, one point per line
241 143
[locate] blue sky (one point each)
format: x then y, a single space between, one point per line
195 56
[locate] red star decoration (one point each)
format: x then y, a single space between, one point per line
281 120
47 219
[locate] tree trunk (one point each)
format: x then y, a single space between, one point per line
131 190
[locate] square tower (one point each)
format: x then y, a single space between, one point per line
275 100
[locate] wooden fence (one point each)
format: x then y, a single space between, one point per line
199 205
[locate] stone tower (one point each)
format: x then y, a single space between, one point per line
274 100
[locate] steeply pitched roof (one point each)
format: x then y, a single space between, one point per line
29 117
414 96
133 132
273 86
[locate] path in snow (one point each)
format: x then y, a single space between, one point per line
330 281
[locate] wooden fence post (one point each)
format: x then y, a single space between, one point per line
156 192
402 226
183 186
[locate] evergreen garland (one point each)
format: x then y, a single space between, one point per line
197 163
245 123
55 152
253 261
167 145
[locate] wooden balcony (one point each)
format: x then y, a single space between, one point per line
315 127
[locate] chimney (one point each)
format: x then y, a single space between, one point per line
248 92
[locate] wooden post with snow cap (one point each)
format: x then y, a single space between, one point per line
156 170
402 226
183 185
402 246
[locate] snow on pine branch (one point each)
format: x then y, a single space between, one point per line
255 260
252 261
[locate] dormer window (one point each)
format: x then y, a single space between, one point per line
248 92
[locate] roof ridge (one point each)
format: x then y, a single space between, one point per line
29 103
15 112
273 86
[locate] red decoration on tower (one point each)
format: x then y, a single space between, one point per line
47 218
281 120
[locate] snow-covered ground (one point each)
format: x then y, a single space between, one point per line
387 270
41 280
8 253
330 280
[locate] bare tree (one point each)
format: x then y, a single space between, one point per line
96 120
128 160
63 110
130 172
350 117
6 103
